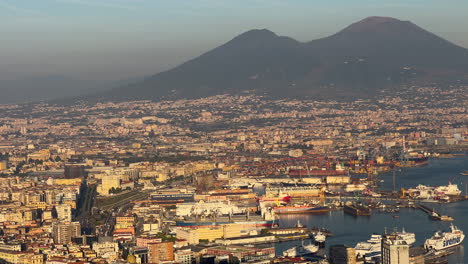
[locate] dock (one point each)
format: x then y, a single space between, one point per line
433 214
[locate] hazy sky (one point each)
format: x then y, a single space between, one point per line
118 39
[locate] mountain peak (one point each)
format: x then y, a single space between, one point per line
379 19
379 24
257 34
363 58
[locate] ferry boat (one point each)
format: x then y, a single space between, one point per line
409 238
443 240
302 250
252 222
370 246
301 209
434 193
373 245
450 189
266 219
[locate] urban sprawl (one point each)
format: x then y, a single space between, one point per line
206 180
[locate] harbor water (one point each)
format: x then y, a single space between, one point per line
350 230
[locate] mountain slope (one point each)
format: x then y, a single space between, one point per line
369 55
380 52
257 59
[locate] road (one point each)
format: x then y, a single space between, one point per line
85 205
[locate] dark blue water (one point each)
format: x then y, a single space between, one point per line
350 230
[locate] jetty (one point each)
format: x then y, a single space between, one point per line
433 214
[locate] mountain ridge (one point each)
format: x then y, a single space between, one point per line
371 54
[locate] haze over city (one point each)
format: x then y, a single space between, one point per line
113 40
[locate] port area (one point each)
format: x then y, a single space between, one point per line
386 203
433 214
334 200
439 257
276 235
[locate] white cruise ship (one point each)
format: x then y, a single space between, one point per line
370 246
444 240
434 193
450 189
373 245
302 250
409 238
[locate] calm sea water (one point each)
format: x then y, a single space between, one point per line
350 230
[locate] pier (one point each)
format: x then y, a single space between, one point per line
433 214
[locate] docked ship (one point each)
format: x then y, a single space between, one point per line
439 193
301 209
412 161
443 240
295 190
302 250
373 245
370 246
355 187
357 210
450 189
251 221
268 218
409 238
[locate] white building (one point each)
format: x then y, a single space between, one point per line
64 212
107 250
184 256
395 250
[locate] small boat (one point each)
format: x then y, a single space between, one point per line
320 237
396 216
446 218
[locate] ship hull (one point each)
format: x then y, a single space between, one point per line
443 245
301 210
357 210
265 223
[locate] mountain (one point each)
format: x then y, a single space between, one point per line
380 52
257 59
372 54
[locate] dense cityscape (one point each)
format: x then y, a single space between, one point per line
209 180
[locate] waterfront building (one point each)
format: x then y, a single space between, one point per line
341 254
395 250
